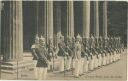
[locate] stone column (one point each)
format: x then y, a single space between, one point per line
86 19
37 17
57 22
105 19
58 17
0 24
96 19
70 19
13 32
49 20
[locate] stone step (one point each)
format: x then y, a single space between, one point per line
15 67
11 71
12 68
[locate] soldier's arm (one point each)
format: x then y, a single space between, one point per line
34 54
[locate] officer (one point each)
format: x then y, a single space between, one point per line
33 49
77 56
62 54
42 62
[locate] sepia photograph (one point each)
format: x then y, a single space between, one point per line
63 40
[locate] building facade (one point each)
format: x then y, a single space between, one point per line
49 19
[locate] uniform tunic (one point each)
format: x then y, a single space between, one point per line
42 57
35 57
62 49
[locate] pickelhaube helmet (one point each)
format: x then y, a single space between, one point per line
100 37
92 37
79 38
73 39
36 38
61 37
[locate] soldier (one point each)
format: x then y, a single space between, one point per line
62 53
73 46
119 48
100 49
42 62
117 55
108 48
33 49
92 53
111 45
97 52
115 51
83 59
51 54
69 49
85 54
104 52
77 56
87 58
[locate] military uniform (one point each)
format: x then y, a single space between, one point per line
97 53
85 54
51 55
62 54
42 62
77 57
69 50
119 49
93 59
83 59
34 54
105 52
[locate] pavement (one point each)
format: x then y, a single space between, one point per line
112 72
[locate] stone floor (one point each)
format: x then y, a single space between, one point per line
115 71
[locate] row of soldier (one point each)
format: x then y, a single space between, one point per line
78 55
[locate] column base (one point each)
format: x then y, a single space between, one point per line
16 66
